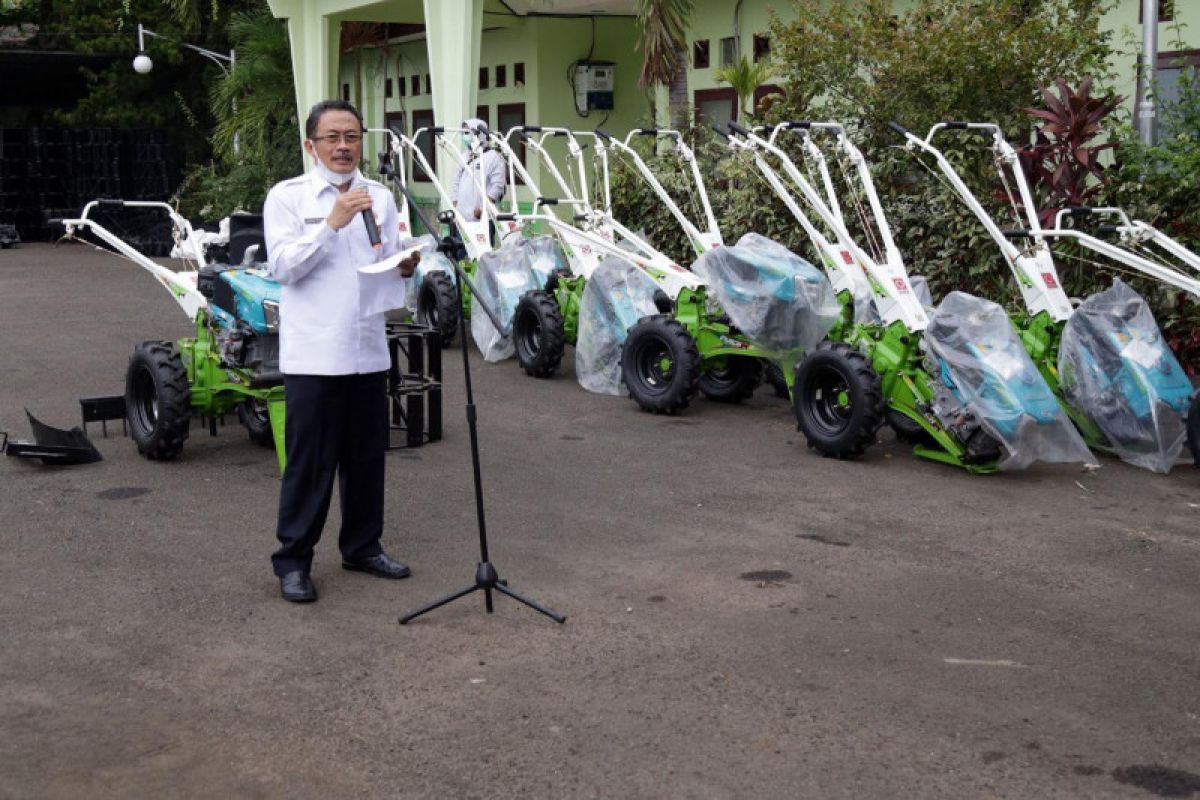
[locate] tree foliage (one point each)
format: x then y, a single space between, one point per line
854 60
255 135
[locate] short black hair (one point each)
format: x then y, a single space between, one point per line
314 116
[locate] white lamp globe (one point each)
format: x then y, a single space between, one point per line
142 63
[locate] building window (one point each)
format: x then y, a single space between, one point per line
394 120
715 106
428 85
416 85
424 143
501 76
519 73
346 92
483 77
728 51
1166 11
700 54
762 47
1173 72
509 116
403 86
387 88
481 113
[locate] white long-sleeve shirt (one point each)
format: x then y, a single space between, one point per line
330 315
488 169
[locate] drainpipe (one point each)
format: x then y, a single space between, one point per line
1145 109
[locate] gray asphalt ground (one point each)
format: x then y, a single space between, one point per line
746 619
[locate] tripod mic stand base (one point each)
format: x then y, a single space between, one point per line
487 580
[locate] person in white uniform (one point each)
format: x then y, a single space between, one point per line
484 168
333 349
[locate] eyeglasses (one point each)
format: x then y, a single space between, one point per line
350 137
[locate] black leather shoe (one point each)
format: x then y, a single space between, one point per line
381 566
297 587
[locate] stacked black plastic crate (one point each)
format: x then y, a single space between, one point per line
48 173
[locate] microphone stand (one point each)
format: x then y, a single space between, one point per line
487 579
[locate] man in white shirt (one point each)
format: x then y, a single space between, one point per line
484 168
333 349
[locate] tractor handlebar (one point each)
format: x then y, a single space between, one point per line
722 132
898 128
603 134
733 126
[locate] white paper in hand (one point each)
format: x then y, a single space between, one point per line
393 262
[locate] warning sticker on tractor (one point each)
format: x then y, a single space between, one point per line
1048 277
901 285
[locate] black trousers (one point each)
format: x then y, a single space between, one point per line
336 424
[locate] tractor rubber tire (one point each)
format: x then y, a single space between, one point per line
539 335
157 400
1193 429
735 382
773 377
438 305
660 365
839 403
255 417
907 430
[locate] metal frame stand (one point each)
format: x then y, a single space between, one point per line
487 579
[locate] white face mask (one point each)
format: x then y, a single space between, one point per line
331 177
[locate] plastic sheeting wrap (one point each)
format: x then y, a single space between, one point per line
431 261
781 303
1116 369
545 256
979 358
920 287
865 312
502 277
616 296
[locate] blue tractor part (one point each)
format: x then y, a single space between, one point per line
990 383
1115 365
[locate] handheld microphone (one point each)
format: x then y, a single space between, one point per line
372 229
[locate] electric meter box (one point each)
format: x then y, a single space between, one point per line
594 84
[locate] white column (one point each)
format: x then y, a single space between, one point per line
452 33
314 45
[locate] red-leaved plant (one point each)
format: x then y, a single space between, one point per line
1063 164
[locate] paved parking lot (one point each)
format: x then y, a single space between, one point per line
746 619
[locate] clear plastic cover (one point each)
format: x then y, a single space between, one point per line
865 312
1116 368
616 296
978 357
431 261
781 303
502 277
920 287
545 256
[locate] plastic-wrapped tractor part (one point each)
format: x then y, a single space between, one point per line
616 296
865 312
431 261
502 277
978 357
1116 369
781 303
545 257
920 287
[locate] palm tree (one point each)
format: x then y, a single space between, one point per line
257 100
663 42
745 77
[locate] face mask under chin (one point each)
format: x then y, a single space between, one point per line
331 177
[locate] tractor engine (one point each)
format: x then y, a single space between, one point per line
245 310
